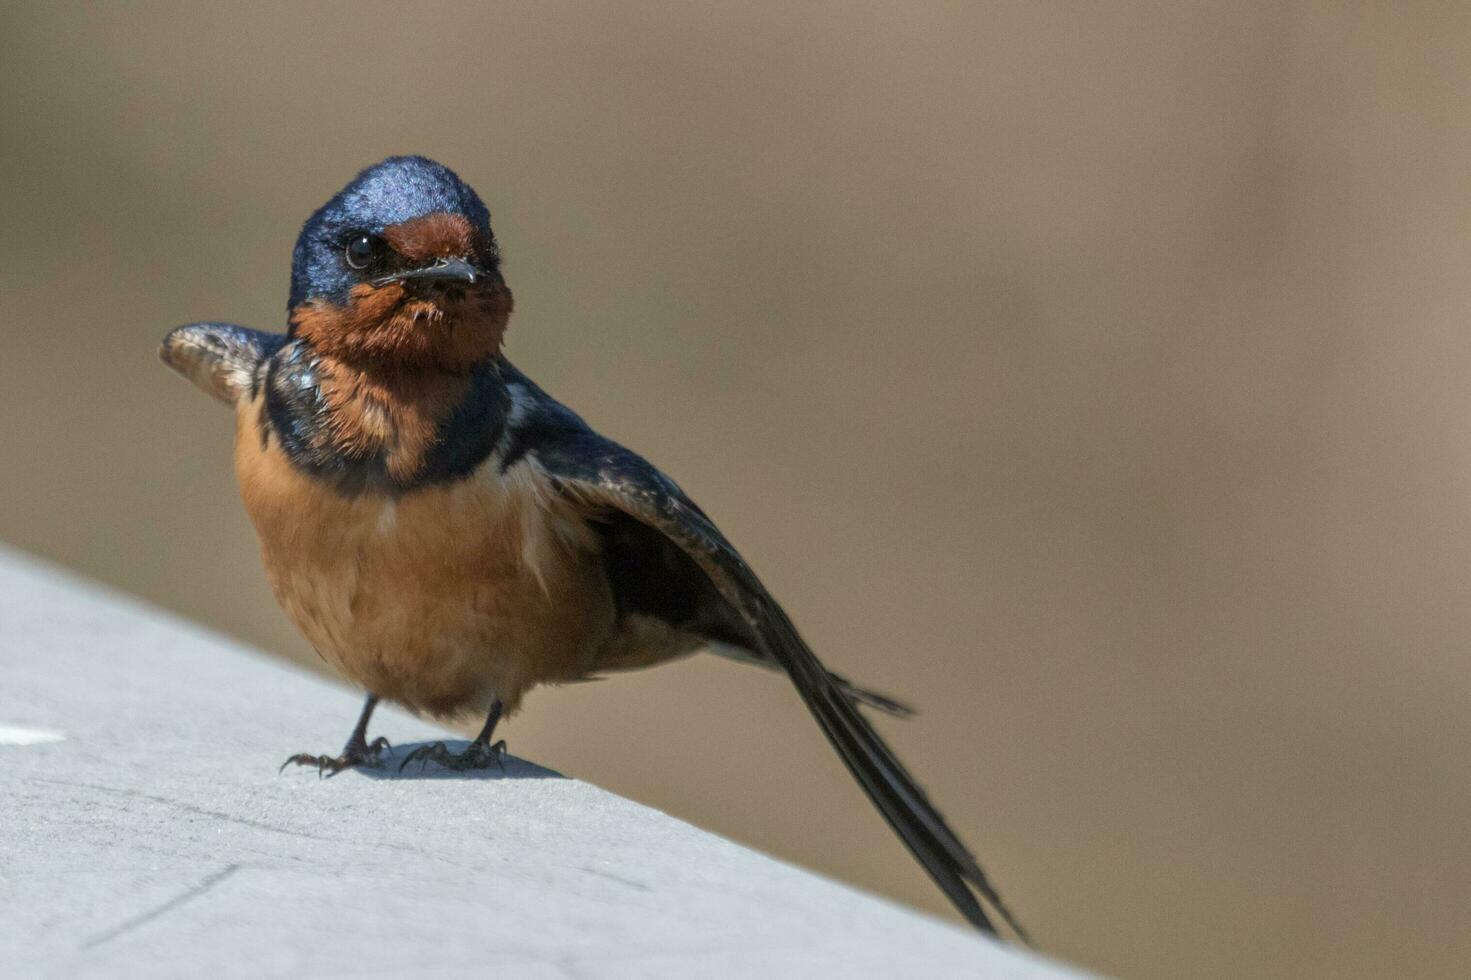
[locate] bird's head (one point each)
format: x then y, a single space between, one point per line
400 270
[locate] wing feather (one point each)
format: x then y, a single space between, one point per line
221 358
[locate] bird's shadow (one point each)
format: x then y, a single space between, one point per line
510 767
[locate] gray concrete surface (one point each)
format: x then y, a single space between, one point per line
146 832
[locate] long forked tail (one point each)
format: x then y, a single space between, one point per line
887 783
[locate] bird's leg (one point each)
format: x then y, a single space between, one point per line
479 754
357 752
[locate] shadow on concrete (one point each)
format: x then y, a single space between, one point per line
511 768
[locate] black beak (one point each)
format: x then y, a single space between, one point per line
456 270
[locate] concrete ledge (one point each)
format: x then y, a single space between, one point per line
146 832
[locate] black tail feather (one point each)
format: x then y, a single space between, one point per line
888 784
873 699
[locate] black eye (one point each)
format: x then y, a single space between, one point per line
360 251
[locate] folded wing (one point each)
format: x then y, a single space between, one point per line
610 480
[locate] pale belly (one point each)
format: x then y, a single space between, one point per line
441 599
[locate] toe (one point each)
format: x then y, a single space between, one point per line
300 759
423 754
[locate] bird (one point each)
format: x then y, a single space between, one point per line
449 536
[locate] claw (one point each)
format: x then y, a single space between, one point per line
300 758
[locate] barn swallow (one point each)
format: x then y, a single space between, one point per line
449 536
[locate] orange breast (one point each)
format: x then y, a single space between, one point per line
440 599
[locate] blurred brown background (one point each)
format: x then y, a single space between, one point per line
1096 376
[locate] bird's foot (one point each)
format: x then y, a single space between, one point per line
361 754
477 755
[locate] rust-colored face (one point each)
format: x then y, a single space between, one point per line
411 310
